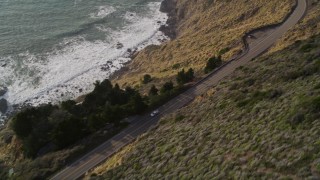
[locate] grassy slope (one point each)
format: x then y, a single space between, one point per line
205 27
210 37
308 27
221 136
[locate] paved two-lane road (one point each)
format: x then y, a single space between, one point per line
141 124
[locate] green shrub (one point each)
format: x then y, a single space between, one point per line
137 104
311 69
25 121
153 91
167 87
176 66
249 82
258 96
317 86
164 96
146 79
291 75
307 70
308 110
223 51
243 103
315 105
318 167
185 77
297 119
212 64
33 127
234 86
94 175
179 118
307 47
68 132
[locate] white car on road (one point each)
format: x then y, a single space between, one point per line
154 113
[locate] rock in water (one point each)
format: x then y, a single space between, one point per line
3 106
167 6
4 65
119 45
3 91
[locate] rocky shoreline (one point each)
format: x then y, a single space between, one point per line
169 7
170 30
3 101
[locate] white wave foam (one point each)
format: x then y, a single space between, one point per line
103 28
131 16
103 11
71 72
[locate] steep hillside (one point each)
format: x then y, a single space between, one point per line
262 122
204 27
308 27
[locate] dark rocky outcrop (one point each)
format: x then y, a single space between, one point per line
3 91
119 45
169 7
3 106
7 138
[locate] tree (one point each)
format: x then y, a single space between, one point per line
137 104
95 122
71 107
117 96
90 102
68 132
130 91
190 75
102 88
113 114
25 121
146 79
181 77
153 91
167 87
31 146
22 123
212 64
185 77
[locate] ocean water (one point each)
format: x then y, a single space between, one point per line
55 50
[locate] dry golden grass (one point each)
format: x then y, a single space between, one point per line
205 27
112 162
308 27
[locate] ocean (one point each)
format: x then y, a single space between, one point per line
55 50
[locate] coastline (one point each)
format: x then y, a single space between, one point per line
52 159
168 30
169 7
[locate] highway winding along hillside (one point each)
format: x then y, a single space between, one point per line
141 124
